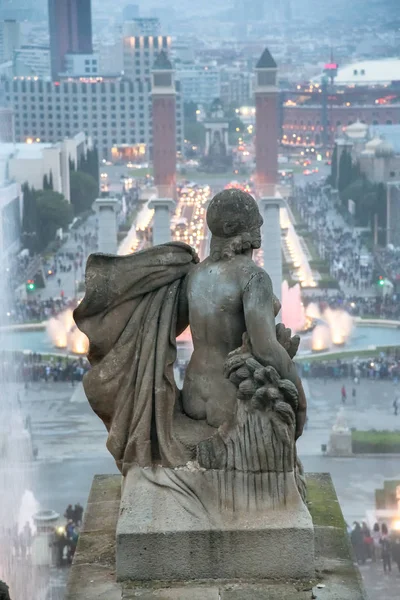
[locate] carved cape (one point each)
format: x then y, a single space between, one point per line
129 314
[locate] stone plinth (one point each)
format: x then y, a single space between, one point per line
197 524
340 443
92 575
106 209
163 208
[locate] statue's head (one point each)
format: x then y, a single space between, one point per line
235 223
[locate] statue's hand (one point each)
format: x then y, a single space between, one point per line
284 337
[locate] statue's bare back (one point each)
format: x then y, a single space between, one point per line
216 316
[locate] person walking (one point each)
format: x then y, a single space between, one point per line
376 539
344 394
386 549
396 406
357 540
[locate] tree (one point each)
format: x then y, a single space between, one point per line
53 212
189 111
345 171
83 190
195 133
51 186
29 218
45 182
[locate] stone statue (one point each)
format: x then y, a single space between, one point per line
242 405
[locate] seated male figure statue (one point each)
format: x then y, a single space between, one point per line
227 295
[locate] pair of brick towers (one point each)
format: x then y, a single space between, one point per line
164 125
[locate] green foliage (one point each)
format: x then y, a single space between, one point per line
189 112
83 190
29 219
328 283
345 175
89 164
195 133
53 212
375 442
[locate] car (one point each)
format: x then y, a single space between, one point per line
307 172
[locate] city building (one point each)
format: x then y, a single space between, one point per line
10 39
30 162
32 61
112 111
164 126
139 54
10 214
200 83
141 26
111 57
267 130
81 65
236 87
70 26
312 113
6 124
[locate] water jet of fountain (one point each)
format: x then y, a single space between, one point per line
321 338
64 334
293 314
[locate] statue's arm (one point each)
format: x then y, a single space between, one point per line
183 308
258 304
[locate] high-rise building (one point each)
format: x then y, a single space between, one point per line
140 52
164 126
267 132
113 111
70 24
200 83
32 61
141 26
9 39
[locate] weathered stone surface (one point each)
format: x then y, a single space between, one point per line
133 310
202 524
91 579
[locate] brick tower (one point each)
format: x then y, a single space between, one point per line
266 99
164 128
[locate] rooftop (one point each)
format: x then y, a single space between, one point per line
26 151
369 72
266 61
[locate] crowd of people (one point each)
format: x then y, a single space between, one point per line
384 367
336 242
37 309
34 368
376 544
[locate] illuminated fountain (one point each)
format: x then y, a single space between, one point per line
293 314
321 338
65 335
334 328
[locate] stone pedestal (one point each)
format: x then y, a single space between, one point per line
195 524
93 571
271 241
340 443
106 209
163 208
